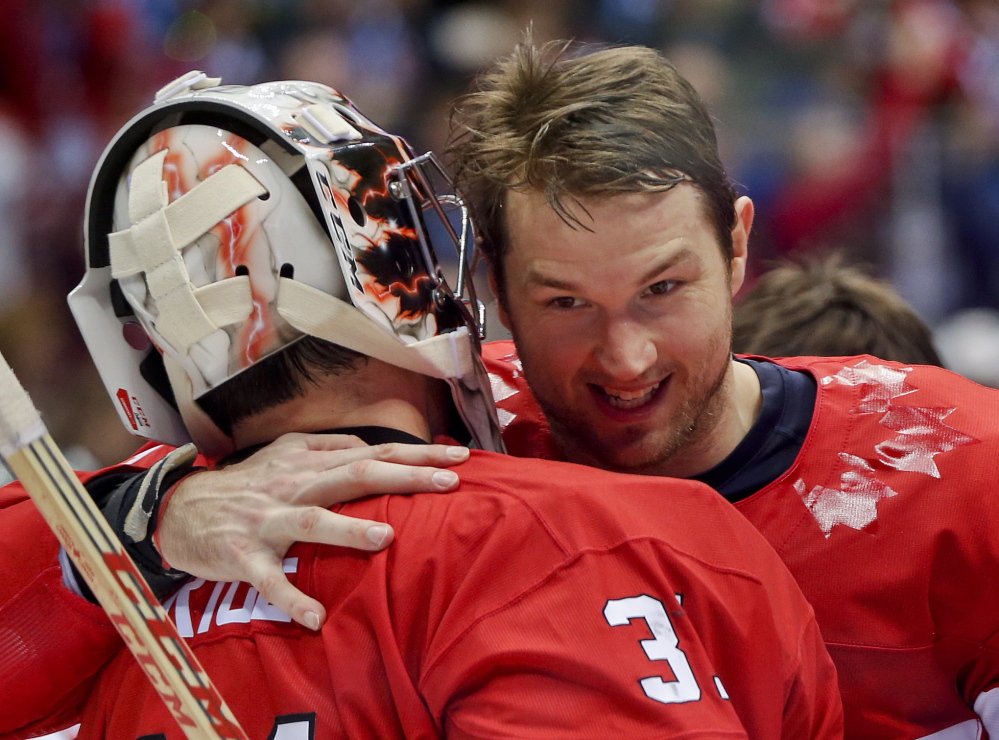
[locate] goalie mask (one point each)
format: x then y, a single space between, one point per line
224 223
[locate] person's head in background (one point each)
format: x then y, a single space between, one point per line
827 308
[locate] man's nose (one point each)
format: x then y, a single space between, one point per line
627 350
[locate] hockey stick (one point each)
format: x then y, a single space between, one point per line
82 530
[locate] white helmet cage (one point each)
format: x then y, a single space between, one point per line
224 223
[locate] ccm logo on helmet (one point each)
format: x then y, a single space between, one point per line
132 409
337 230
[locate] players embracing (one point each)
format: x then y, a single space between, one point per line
616 243
261 279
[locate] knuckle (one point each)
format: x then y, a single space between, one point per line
240 549
356 529
359 470
268 583
290 438
347 441
386 450
308 519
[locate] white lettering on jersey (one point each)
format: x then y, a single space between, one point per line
253 605
286 727
721 689
987 707
294 727
968 730
665 646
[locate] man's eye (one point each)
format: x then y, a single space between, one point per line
662 287
563 301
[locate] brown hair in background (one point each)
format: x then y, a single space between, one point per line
827 308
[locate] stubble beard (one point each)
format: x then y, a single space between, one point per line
637 450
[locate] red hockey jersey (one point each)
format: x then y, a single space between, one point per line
52 642
889 520
541 600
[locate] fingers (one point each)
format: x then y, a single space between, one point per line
315 524
307 524
267 576
368 477
411 454
394 452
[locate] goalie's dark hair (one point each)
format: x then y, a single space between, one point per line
278 378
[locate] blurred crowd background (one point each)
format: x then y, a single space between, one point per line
866 126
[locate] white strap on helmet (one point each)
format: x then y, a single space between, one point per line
322 315
193 80
325 125
159 231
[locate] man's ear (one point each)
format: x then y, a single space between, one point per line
504 317
744 212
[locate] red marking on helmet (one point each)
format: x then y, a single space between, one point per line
172 170
126 404
236 234
383 191
396 289
393 290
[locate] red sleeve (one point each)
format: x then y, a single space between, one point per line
814 708
52 641
590 646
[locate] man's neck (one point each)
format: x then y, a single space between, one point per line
377 394
739 403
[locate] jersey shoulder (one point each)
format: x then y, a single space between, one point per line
578 509
914 416
515 522
882 381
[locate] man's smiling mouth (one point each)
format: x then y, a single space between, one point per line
629 399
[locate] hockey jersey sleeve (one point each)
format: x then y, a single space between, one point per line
52 641
813 707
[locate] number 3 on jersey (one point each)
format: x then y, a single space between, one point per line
664 646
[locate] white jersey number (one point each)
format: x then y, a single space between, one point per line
665 646
294 727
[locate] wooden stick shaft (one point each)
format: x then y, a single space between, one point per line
116 582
